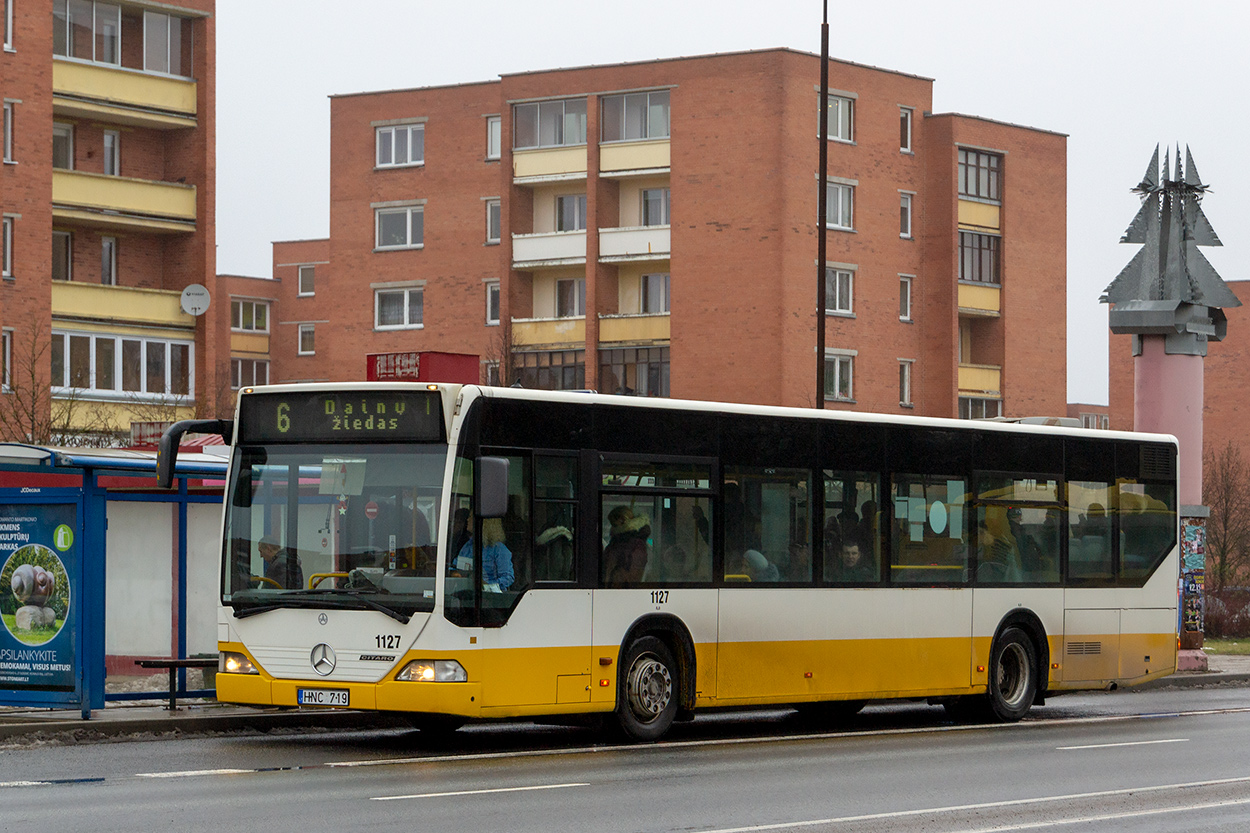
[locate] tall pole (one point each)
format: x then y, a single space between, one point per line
822 207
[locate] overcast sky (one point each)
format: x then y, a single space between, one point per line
1117 76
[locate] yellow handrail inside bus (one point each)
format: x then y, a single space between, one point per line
317 578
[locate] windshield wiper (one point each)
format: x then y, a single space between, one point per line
349 599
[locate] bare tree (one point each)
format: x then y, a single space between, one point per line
1226 490
501 351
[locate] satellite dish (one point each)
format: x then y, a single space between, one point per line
195 299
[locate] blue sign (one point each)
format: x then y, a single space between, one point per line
40 569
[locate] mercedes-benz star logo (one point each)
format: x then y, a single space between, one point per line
323 618
322 659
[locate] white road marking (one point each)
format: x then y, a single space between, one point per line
1127 743
24 783
990 805
191 773
1158 811
478 792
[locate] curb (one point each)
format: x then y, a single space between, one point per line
1191 679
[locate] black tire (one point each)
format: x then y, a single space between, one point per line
647 691
1013 676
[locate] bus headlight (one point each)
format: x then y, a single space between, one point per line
433 671
235 663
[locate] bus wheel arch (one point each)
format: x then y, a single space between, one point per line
673 634
1019 659
1028 621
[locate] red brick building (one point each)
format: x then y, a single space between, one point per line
649 228
106 191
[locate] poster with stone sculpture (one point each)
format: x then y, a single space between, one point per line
38 569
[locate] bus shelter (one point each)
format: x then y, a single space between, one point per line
99 568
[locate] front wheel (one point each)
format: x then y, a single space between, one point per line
1013 676
647 698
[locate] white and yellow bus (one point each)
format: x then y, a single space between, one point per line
462 553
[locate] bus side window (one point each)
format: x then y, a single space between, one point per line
930 540
555 518
852 535
516 523
1090 554
768 524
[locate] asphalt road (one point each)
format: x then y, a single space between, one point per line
1141 761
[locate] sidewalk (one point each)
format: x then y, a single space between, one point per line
29 726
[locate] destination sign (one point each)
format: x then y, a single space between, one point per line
341 416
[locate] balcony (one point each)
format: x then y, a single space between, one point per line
979 215
548 249
549 332
257 343
639 243
122 96
622 158
118 202
121 307
980 299
633 329
980 379
548 165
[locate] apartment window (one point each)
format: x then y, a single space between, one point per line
249 316
841 118
546 124
839 376
62 255
571 212
63 146
493 221
162 44
550 370
86 30
839 284
494 136
398 309
979 174
570 297
978 257
904 215
6 359
8 25
655 206
971 407
245 373
654 294
635 116
307 343
839 205
492 373
112 153
904 129
8 131
1095 421
401 145
904 297
307 280
635 371
401 228
84 361
6 247
492 303
904 381
108 261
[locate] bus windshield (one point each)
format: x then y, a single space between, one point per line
333 525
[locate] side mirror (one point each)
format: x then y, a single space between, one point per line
167 449
490 490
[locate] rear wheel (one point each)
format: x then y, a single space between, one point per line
646 701
1013 676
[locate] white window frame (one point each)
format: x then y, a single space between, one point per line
644 294
905 115
6 246
905 367
302 290
664 202
565 119
108 260
986 413
410 212
840 367
311 331
904 297
579 297
494 220
840 205
411 131
6 357
8 25
68 237
112 153
656 107
67 130
118 391
494 300
580 219
236 315
906 200
494 137
841 125
8 131
170 21
841 301
411 321
236 372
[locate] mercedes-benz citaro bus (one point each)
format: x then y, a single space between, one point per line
459 553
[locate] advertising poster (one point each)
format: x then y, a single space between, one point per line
39 573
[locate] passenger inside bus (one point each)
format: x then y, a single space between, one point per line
998 554
855 563
625 556
282 566
497 574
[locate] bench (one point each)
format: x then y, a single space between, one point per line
173 665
